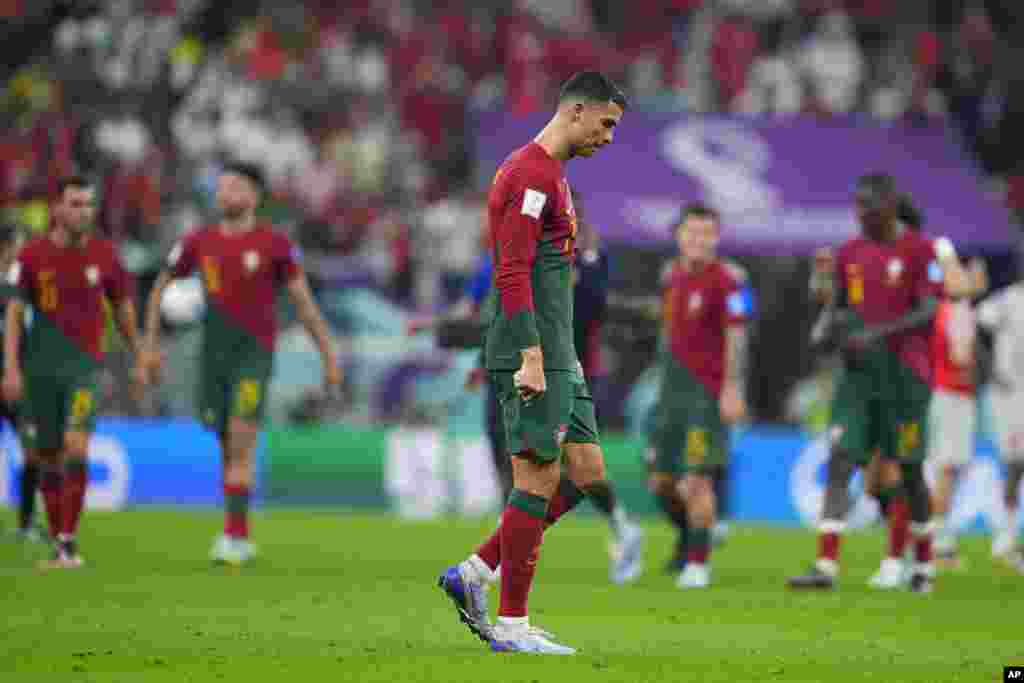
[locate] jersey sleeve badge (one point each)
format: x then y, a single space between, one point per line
533 203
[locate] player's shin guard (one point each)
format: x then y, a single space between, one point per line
30 475
73 498
566 498
236 511
52 485
522 528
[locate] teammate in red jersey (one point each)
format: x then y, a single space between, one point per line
65 276
243 264
548 412
886 288
702 385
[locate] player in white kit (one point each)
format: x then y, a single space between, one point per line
1002 315
953 416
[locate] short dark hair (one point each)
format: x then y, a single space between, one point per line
883 183
8 233
75 181
593 86
251 172
697 210
908 214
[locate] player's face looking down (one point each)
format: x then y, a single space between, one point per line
697 237
77 209
593 126
236 196
876 210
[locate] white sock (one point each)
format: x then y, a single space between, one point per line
829 567
514 623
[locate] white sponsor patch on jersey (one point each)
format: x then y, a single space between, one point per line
14 274
934 272
533 203
736 305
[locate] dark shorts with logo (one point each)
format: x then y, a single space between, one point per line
562 414
687 432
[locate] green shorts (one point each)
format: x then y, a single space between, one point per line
887 413
234 387
562 414
53 406
688 432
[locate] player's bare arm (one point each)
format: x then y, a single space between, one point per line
732 402
13 384
822 283
920 316
309 315
150 357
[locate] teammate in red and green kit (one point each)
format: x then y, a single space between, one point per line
702 385
243 264
886 294
547 409
65 276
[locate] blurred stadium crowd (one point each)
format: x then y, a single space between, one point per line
360 112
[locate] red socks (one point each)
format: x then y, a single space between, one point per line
699 546
236 511
899 526
52 485
565 500
490 551
828 546
73 498
522 529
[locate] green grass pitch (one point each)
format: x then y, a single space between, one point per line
342 597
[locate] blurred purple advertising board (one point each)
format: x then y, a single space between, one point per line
781 185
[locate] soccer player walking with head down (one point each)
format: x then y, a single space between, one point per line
65 276
530 355
886 295
243 264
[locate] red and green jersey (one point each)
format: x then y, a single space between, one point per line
882 282
533 225
701 306
66 286
241 273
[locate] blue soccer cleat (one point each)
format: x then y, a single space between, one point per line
469 597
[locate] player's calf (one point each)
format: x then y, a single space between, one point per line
700 506
923 572
239 446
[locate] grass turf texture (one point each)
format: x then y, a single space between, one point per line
341 597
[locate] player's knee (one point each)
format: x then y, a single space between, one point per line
242 434
889 474
698 486
76 444
536 475
585 464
